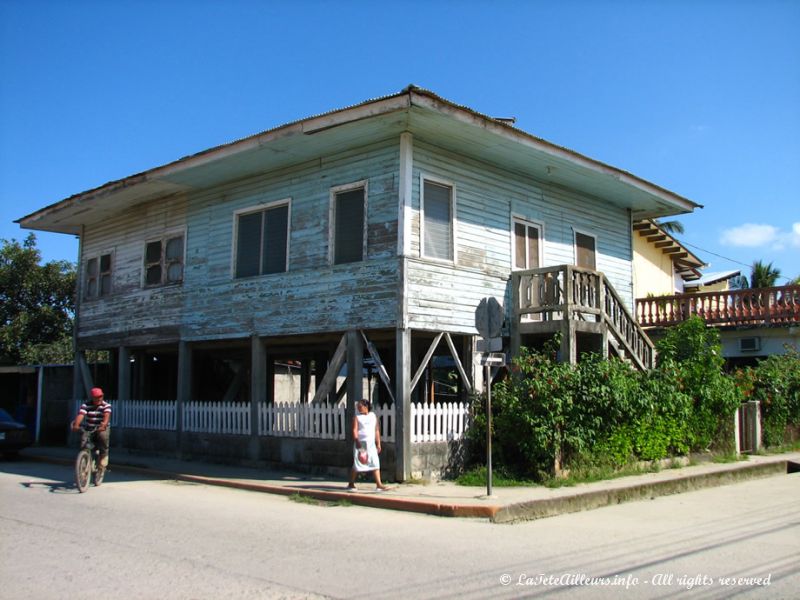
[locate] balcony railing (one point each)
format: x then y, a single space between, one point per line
567 292
758 307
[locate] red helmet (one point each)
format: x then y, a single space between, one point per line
97 392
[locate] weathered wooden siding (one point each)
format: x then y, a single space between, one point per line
444 296
312 296
132 310
315 297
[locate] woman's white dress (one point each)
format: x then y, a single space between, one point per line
366 437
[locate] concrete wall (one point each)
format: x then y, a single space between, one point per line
332 457
772 340
435 460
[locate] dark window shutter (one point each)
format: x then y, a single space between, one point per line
248 245
348 244
275 228
520 260
585 251
533 248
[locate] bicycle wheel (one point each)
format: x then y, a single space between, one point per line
83 470
99 472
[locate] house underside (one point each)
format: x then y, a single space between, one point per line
288 400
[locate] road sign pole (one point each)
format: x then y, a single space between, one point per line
488 430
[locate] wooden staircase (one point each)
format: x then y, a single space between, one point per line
576 301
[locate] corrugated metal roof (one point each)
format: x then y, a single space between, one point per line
159 179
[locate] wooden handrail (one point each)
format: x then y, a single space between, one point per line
569 292
760 306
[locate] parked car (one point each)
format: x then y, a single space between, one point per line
14 436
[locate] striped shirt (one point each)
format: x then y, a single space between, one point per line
93 413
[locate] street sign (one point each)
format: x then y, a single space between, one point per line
490 345
490 359
489 318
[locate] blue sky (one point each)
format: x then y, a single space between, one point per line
701 97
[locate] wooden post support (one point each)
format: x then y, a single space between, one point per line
402 395
123 388
184 389
258 390
355 379
123 373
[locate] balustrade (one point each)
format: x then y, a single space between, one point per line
760 306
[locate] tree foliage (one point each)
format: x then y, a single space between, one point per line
36 305
775 383
696 353
763 275
671 227
603 411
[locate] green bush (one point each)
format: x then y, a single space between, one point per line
548 414
692 351
775 383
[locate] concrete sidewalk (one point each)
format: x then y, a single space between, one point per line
507 504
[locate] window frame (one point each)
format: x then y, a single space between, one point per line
164 238
423 177
333 192
256 208
575 233
98 256
519 219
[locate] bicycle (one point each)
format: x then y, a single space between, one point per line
87 464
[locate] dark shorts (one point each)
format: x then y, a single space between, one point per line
100 438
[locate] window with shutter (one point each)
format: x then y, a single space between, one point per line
437 221
98 276
262 238
163 261
585 251
348 225
527 237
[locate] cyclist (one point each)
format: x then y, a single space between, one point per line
95 415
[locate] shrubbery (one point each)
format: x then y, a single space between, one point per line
775 383
548 414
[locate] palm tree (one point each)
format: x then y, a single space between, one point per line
739 283
671 226
763 275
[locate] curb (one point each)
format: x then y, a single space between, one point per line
496 513
539 509
439 509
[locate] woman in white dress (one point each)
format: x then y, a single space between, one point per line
367 446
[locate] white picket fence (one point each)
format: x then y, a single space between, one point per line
217 417
438 422
429 422
287 419
159 415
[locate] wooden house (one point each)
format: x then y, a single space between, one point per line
355 243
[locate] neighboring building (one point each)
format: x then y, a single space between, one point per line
371 231
39 396
662 266
719 281
753 323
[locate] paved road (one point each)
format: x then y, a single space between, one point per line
145 538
